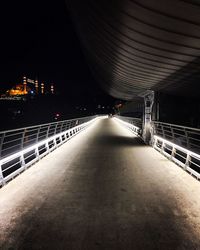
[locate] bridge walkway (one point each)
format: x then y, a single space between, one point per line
103 189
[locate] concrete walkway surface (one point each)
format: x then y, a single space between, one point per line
103 189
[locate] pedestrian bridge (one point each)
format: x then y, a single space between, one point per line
103 189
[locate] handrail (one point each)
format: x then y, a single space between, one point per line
175 125
183 157
20 148
186 137
26 136
134 124
178 143
132 120
43 124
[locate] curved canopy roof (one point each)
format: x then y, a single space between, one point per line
138 45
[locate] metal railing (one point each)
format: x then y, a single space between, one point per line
185 158
186 137
133 124
178 143
20 148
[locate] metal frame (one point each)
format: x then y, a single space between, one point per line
185 158
20 148
133 124
178 143
186 137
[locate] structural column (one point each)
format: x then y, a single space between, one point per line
149 98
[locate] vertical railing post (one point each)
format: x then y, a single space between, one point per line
63 130
37 140
163 130
61 127
154 142
187 138
152 124
1 145
70 124
55 132
172 132
187 162
163 147
22 139
47 136
55 128
22 160
173 152
47 133
47 146
38 132
2 182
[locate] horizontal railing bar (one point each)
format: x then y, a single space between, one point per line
195 164
14 164
39 125
17 157
176 142
16 145
174 125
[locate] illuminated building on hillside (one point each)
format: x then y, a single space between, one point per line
19 89
31 87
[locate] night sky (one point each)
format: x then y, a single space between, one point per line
38 40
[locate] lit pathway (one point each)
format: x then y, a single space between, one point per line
103 189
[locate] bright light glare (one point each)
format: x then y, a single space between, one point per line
128 125
36 145
177 146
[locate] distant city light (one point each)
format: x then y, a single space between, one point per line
27 86
52 88
42 88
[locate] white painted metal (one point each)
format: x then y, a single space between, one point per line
22 147
133 124
186 137
185 158
178 143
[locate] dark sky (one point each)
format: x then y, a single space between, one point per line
39 40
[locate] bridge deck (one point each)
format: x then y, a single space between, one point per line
103 189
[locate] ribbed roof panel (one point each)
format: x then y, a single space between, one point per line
137 45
